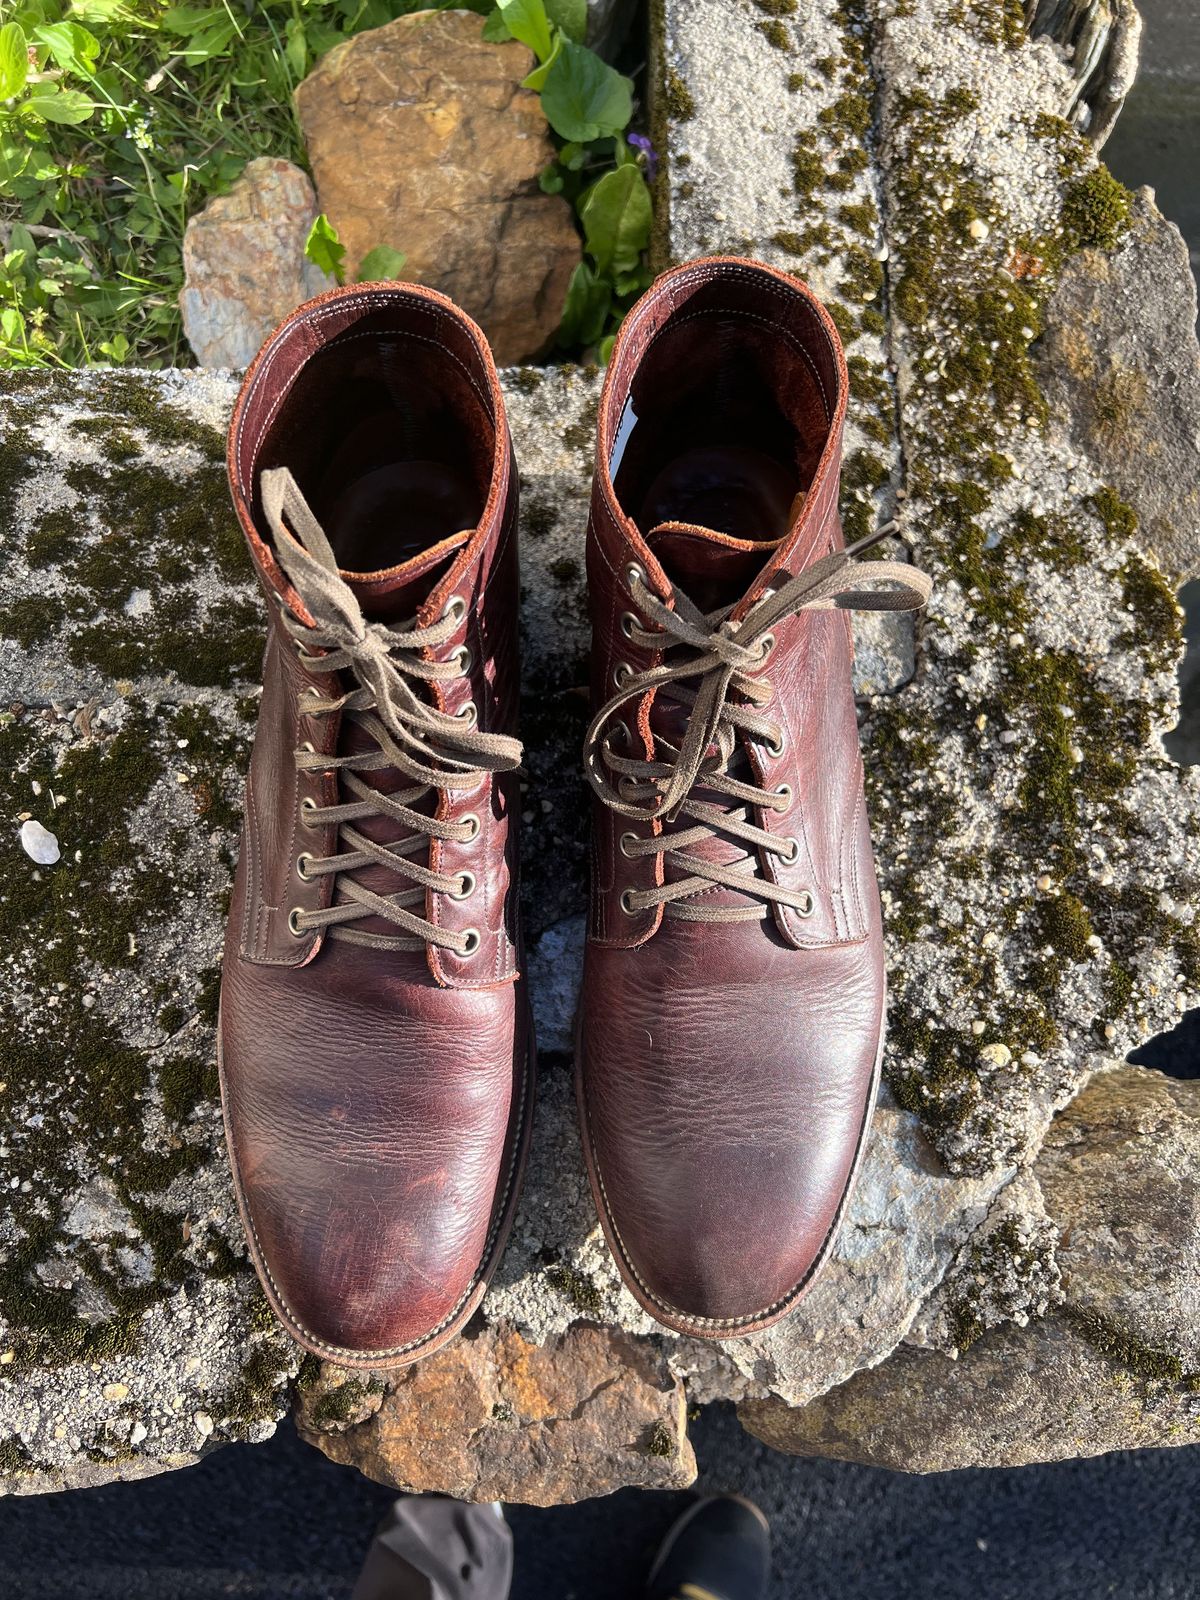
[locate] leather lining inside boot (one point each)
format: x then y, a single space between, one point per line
725 434
387 431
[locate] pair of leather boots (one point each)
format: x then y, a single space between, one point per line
377 1054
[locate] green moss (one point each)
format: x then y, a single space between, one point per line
658 1441
681 106
577 1287
1096 210
565 571
796 82
808 169
339 1405
850 114
1157 619
776 34
1065 925
1152 1362
777 8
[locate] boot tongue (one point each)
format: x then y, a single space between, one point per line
714 570
397 594
392 596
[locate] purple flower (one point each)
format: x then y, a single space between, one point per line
640 143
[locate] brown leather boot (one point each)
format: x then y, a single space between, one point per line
733 1003
376 1052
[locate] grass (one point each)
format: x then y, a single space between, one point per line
131 116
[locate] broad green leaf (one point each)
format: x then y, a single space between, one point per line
584 97
63 105
570 16
495 29
324 249
74 49
616 214
526 20
586 308
550 179
380 264
14 60
537 78
12 325
605 350
20 238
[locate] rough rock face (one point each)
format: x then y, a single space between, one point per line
1116 369
1115 1367
420 138
243 262
496 1417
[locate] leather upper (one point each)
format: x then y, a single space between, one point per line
727 1069
377 1100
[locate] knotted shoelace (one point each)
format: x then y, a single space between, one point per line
435 751
726 666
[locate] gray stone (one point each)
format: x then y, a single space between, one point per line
1115 1366
244 266
1122 370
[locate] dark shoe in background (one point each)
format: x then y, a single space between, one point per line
375 1045
719 1549
731 1022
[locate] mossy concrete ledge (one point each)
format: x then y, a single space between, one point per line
1039 854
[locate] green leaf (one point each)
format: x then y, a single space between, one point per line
584 97
616 214
380 264
14 60
605 350
537 78
12 325
62 105
550 179
526 20
495 29
570 16
324 249
585 309
296 48
74 49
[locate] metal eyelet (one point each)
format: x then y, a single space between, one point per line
472 936
296 933
630 911
634 573
469 714
473 823
628 623
765 646
466 886
622 673
809 906
455 607
302 861
792 853
307 806
623 844
308 748
462 657
784 792
775 747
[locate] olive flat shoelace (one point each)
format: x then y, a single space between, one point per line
726 659
435 751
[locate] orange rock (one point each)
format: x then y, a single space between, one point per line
421 138
493 1417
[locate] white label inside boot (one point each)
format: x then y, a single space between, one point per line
624 428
